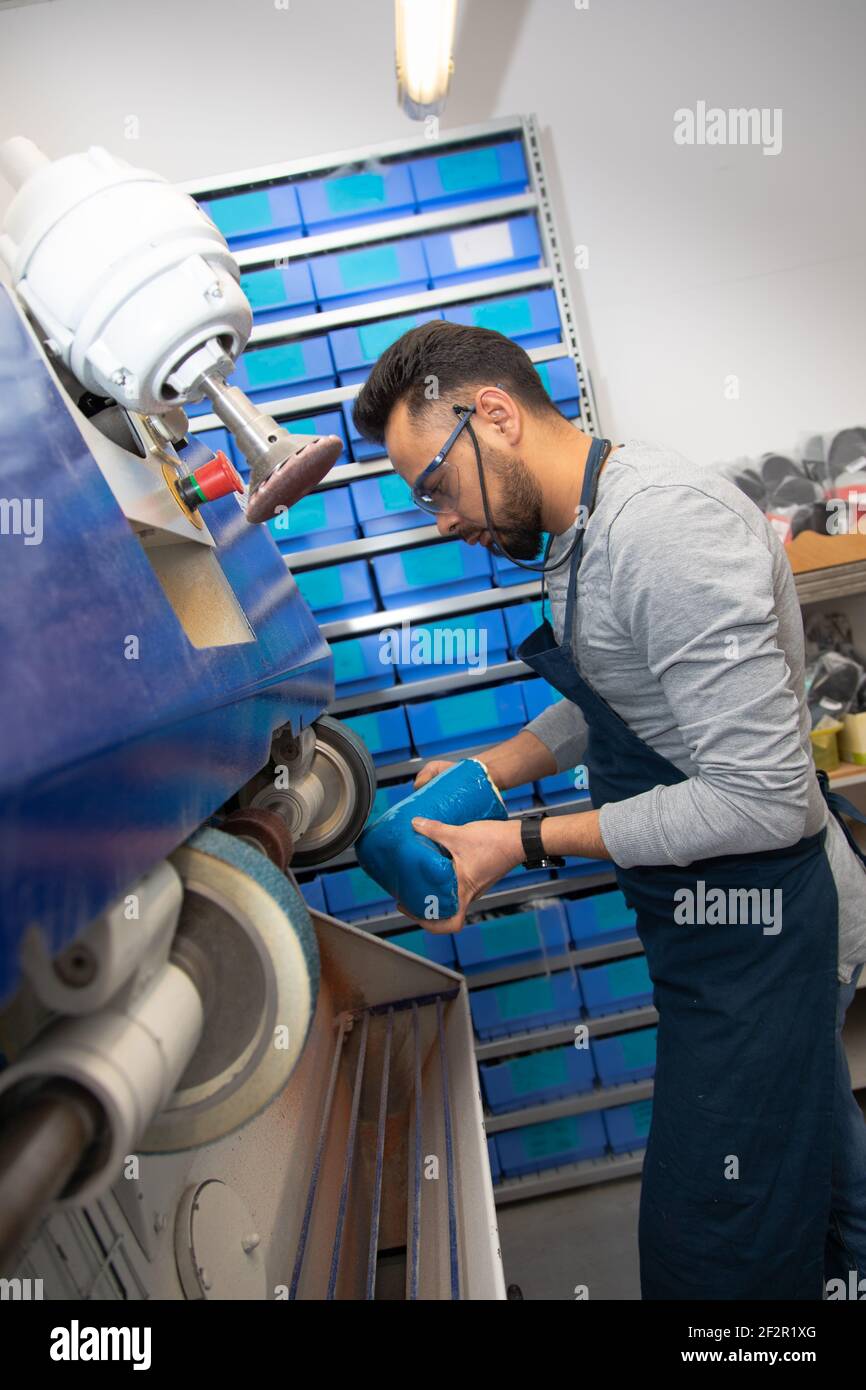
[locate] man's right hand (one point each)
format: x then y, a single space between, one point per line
431 770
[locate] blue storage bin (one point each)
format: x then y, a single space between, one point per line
313 893
532 1148
466 176
521 798
625 1056
491 248
473 719
338 591
576 864
329 422
478 637
628 1126
536 1078
320 518
256 217
356 350
613 988
516 937
495 1165
431 571
561 384
342 278
530 319
601 918
362 449
520 620
386 797
357 667
539 1002
345 200
385 732
286 369
435 946
280 292
538 695
351 894
563 786
505 571
384 504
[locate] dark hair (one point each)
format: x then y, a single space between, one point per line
458 357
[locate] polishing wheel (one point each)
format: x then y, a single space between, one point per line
246 939
330 792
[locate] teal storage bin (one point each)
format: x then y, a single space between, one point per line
256 217
520 620
530 319
625 1056
321 518
357 667
537 1078
280 292
538 695
351 895
435 946
431 571
452 646
551 1144
344 278
517 936
614 988
345 200
539 1002
628 1126
338 591
356 350
601 918
495 1165
488 248
465 176
384 504
476 718
561 384
385 732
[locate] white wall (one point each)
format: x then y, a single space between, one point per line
704 261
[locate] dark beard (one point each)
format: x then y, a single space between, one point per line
517 510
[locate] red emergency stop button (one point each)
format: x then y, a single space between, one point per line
214 479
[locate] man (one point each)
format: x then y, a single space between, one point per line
680 656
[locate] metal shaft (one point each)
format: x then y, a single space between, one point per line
42 1143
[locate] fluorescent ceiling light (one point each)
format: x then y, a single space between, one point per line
425 45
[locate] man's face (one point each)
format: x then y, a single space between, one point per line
513 495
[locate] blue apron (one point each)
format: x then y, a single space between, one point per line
735 1198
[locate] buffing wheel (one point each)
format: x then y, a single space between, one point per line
292 479
246 938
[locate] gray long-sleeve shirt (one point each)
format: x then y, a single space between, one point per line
687 623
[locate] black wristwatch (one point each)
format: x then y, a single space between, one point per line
534 855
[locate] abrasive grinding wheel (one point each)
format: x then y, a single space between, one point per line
246 939
344 768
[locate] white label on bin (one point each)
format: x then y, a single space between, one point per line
482 245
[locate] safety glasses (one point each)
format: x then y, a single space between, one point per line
437 488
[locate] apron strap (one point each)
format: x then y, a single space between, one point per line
841 806
598 452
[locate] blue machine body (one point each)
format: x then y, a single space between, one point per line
108 763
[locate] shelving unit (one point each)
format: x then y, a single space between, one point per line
812 587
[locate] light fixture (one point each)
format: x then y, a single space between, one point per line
424 31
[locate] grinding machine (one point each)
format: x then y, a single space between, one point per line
206 1090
